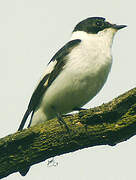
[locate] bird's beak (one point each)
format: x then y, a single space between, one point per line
118 27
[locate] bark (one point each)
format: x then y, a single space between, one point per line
108 124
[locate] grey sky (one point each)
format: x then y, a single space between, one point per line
31 31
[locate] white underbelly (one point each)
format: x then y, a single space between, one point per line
73 88
80 80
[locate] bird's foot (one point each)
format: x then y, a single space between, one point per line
62 122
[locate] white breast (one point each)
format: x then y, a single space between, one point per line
82 78
88 67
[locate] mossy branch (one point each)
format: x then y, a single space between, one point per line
107 124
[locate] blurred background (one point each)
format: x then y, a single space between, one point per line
31 31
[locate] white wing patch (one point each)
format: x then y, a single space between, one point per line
49 68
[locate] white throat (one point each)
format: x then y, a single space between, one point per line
106 36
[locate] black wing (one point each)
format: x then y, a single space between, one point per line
41 88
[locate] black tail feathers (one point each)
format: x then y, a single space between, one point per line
24 119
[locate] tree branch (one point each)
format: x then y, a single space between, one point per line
107 124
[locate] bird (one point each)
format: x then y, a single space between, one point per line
75 74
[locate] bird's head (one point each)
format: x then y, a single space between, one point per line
94 25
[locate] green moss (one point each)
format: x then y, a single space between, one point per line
109 123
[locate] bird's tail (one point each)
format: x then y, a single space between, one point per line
24 119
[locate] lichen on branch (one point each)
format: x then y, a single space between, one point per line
108 124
